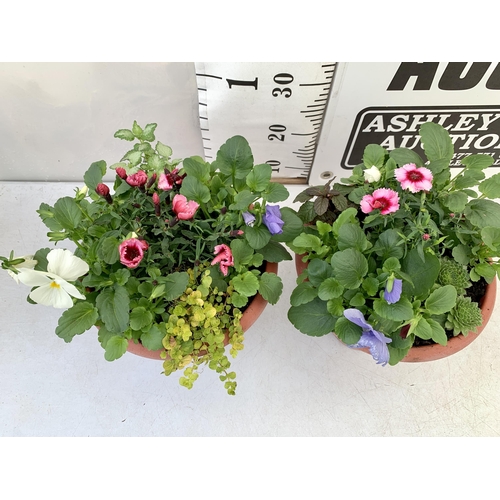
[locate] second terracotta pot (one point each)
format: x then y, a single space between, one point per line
433 352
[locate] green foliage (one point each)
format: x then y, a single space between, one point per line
160 288
464 317
409 268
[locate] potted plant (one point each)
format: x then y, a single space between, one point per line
396 258
170 260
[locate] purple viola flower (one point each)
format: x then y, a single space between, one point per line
375 341
272 219
393 289
248 218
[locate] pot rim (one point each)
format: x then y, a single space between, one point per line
433 352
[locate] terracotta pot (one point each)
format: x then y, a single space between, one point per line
433 352
250 315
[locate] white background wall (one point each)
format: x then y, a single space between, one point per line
58 118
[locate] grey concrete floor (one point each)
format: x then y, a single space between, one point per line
288 384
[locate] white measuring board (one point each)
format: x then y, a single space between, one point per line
278 107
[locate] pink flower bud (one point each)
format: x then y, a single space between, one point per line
103 190
121 172
151 181
425 237
156 199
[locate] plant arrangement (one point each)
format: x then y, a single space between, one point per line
399 253
168 258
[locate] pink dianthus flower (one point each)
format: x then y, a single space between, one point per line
385 199
224 257
413 178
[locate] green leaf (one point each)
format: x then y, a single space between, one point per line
347 332
318 271
403 156
242 253
335 306
257 236
441 300
243 200
125 134
479 161
46 213
148 134
270 287
163 150
275 252
194 190
402 310
389 244
134 157
347 216
292 228
489 235
352 236
235 157
349 267
306 242
312 318
486 271
330 289
239 300
113 305
94 174
67 213
76 320
370 286
436 141
108 250
491 187
303 293
246 284
116 347
137 130
438 333
374 155
258 179
197 168
139 318
153 338
175 285
423 274
276 192
483 213
41 259
456 201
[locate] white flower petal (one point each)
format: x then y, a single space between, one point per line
66 265
31 277
49 295
71 289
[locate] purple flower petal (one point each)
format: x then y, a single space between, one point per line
272 219
378 348
248 218
394 295
355 316
374 340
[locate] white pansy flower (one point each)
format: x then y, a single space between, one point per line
29 263
53 287
372 174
